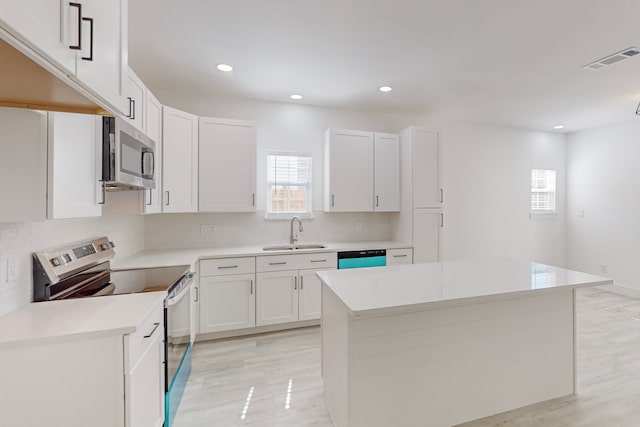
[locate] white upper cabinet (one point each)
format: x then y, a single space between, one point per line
75 166
136 93
153 122
227 169
425 144
361 171
387 172
103 59
44 25
23 165
85 39
179 161
348 175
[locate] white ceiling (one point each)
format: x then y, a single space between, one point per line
509 62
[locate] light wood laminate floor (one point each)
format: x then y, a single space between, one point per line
274 379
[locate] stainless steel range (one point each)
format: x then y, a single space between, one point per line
83 270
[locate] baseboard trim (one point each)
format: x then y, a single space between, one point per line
256 331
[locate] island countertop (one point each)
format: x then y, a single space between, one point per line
434 285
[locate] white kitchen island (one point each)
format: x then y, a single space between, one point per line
444 343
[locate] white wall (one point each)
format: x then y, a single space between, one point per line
280 127
486 179
20 240
604 184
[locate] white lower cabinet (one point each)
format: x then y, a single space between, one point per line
94 379
227 294
284 296
144 372
399 256
227 302
309 296
277 297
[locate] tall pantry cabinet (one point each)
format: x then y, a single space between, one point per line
422 193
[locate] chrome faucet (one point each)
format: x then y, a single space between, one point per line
294 237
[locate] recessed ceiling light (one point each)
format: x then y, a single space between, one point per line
386 89
225 67
296 97
558 127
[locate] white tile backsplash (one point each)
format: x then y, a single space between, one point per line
20 240
176 231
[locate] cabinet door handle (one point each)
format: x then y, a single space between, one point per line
377 200
129 115
227 266
400 256
441 195
333 200
104 195
167 194
301 283
150 197
251 289
155 326
197 294
253 199
318 260
278 263
441 220
90 57
295 283
133 115
79 45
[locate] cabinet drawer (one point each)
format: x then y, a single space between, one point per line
225 266
137 342
296 262
399 256
318 261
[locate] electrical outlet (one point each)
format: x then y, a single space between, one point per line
12 269
208 229
604 268
358 226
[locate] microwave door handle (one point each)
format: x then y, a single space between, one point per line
142 164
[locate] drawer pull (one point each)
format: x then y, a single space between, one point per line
400 256
318 260
155 326
278 263
227 266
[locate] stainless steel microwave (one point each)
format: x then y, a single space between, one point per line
128 158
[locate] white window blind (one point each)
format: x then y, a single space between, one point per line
543 191
288 184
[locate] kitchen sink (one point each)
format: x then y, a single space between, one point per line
297 247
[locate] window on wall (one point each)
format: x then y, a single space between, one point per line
288 184
543 191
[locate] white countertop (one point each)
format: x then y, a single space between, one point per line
172 257
99 316
434 285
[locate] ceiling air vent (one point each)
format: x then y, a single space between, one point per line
612 59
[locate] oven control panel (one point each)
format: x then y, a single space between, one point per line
61 262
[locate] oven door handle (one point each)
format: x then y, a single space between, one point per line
176 299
